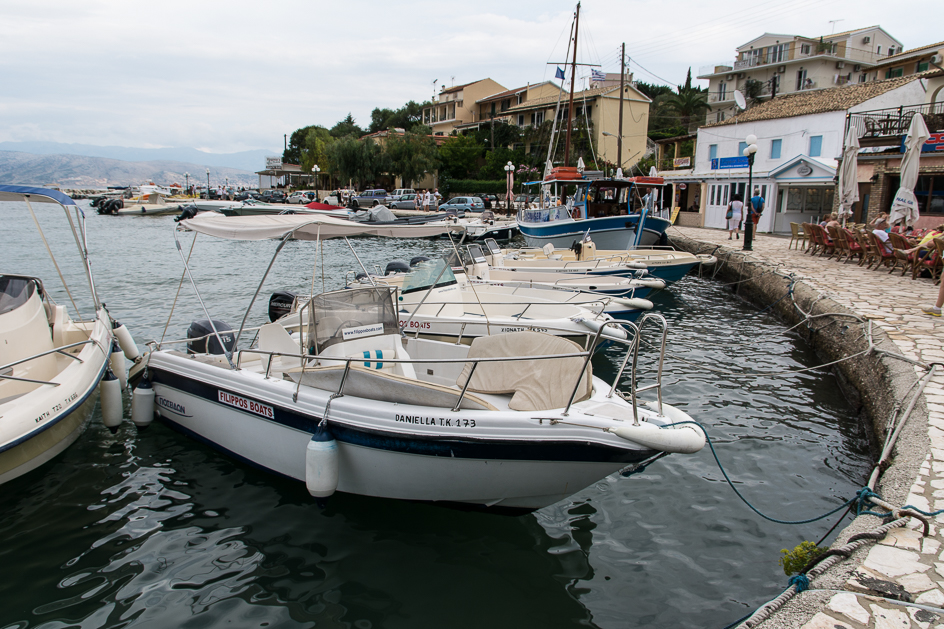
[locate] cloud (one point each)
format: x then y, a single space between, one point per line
238 75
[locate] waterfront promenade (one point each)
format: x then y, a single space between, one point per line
872 587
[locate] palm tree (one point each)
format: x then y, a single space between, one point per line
690 105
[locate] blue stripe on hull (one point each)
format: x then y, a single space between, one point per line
611 232
493 450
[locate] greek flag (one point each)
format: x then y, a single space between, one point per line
560 74
597 75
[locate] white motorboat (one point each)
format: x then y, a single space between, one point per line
349 403
52 364
485 226
471 302
665 264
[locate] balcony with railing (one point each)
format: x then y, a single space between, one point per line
885 127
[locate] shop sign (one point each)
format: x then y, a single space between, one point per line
804 170
273 163
720 163
934 144
682 162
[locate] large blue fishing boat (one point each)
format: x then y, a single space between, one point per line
608 210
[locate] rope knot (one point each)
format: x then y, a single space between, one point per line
864 500
801 581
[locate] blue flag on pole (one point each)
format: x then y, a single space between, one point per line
560 74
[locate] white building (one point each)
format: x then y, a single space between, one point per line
785 64
799 138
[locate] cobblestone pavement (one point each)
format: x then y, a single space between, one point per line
904 557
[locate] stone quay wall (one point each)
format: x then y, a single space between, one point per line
865 586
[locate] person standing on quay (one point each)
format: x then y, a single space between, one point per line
754 209
426 200
935 310
418 200
734 215
436 198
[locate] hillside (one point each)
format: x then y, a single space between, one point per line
244 160
78 171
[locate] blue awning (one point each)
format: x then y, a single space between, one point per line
43 195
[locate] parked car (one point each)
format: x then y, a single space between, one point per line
302 198
491 201
522 200
370 198
462 204
247 194
399 192
273 196
405 202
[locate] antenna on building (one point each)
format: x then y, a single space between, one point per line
453 80
833 22
435 81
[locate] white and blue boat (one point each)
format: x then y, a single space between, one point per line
610 211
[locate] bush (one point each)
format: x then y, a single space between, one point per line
454 187
795 560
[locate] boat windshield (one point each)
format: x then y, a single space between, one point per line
345 315
14 292
425 274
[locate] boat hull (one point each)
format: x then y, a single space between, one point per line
612 232
384 450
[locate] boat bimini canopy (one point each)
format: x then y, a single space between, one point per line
39 195
300 227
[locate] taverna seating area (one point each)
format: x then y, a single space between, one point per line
857 242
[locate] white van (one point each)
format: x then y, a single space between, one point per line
396 194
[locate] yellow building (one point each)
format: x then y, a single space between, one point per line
457 105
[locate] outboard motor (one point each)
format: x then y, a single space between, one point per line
396 266
280 304
189 212
417 260
206 342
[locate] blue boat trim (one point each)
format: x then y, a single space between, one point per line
466 448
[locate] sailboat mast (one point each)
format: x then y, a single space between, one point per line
570 107
619 140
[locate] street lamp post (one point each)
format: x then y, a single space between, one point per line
749 152
187 177
208 183
314 175
509 173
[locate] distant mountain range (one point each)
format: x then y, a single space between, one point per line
83 172
245 160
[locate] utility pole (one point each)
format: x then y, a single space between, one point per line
570 107
619 140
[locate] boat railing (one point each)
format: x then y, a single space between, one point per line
632 352
57 350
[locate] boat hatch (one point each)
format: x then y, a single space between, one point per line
350 314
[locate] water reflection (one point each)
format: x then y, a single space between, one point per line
153 527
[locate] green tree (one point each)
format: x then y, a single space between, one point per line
460 155
347 127
412 154
407 118
360 160
689 104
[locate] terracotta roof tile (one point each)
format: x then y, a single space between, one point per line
819 101
548 100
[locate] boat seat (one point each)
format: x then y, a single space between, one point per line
274 338
385 386
536 385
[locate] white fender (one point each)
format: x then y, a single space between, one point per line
633 302
109 390
142 404
614 332
321 464
706 259
117 363
677 440
126 342
655 283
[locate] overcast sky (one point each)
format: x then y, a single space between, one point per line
236 75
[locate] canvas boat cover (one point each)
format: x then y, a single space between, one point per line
300 227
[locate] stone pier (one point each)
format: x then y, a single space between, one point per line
897 582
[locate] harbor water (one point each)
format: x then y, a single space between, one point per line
151 528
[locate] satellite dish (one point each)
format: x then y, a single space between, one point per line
739 100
